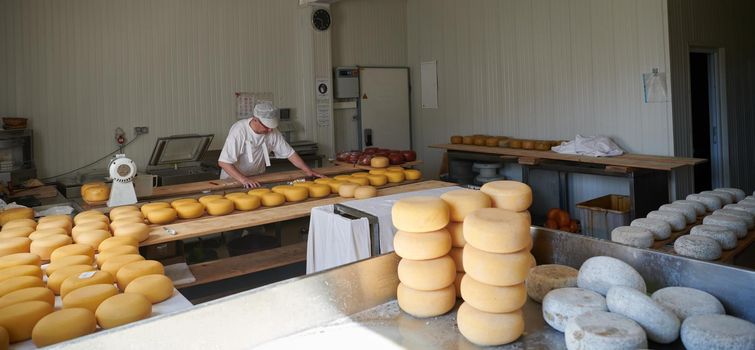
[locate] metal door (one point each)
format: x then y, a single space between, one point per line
384 108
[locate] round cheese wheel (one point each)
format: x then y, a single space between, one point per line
420 214
421 303
363 192
235 194
736 192
633 236
86 213
303 184
689 213
457 284
133 216
598 330
220 207
281 189
724 236
704 332
89 297
726 197
699 207
125 221
467 140
155 288
60 224
412 174
377 171
56 278
85 279
106 255
698 247
737 225
209 198
497 230
496 269
190 210
457 234
272 199
493 299
162 216
20 223
122 309
47 232
659 228
115 263
68 261
139 231
458 255
360 174
19 259
488 329
395 168
13 245
377 180
465 201
63 325
422 246
71 249
89 226
739 214
14 214
361 181
660 324
323 180
687 302
562 304
710 202
456 139
90 218
335 186
319 190
92 238
509 195
379 162
258 191
545 278
16 232
395 176
152 206
126 209
118 241
246 202
430 274
133 270
20 282
44 246
296 194
677 221
28 294
750 209
55 217
20 270
600 273
96 194
347 190
19 319
342 177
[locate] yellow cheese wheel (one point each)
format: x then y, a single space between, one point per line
412 174
347 190
497 230
63 325
89 297
83 214
272 199
133 216
496 269
220 207
63 224
56 217
89 218
133 270
190 210
122 309
28 294
377 171
234 194
245 202
258 191
19 282
138 231
209 198
92 238
319 190
181 201
485 297
377 180
361 181
105 255
56 278
335 185
464 201
126 221
14 214
20 223
295 194
420 214
343 177
68 261
85 279
422 246
457 234
379 162
509 195
19 319
44 246
419 303
96 194
458 255
71 249
487 329
89 226
363 192
324 180
430 274
395 168
145 209
47 232
19 259
395 176
115 263
14 245
303 183
126 209
360 174
162 216
155 288
118 241
457 284
281 189
26 231
88 185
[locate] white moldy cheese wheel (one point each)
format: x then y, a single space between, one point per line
600 330
488 329
690 215
457 234
493 299
509 195
633 236
561 305
497 230
420 303
686 302
422 246
726 197
19 319
742 207
122 309
496 269
363 192
458 255
737 193
427 274
420 214
737 225
698 247
697 206
677 221
742 215
724 236
710 202
600 273
660 324
659 228
155 288
464 201
704 332
46 245
63 325
544 278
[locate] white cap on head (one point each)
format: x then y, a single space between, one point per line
267 114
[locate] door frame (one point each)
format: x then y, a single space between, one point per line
360 138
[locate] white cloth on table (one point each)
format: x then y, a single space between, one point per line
334 240
594 146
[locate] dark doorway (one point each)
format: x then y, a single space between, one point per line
701 123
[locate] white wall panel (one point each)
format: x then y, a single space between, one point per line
369 33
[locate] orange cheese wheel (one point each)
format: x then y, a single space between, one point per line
509 195
319 190
113 242
342 177
47 232
23 231
20 223
378 171
63 224
133 216
245 202
126 209
412 174
13 245
465 201
281 189
220 207
209 198
115 263
138 231
89 297
422 246
89 218
420 303
92 238
152 206
84 214
44 246
63 325
181 201
68 261
136 269
28 294
379 162
19 259
155 288
162 216
116 225
296 194
190 210
71 249
496 269
106 255
88 185
395 168
347 190
324 180
304 183
20 270
19 319
235 194
395 176
122 309
56 278
377 180
272 199
55 217
258 191
96 194
361 181
360 174
432 274
85 279
89 226
15 213
20 282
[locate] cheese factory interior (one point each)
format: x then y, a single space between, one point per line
408 174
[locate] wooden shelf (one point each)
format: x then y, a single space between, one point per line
367 167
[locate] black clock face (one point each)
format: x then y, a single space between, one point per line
321 19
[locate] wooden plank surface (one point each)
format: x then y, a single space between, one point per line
727 256
208 224
629 160
674 235
367 167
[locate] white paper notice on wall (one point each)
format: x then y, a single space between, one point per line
245 102
323 102
654 86
429 84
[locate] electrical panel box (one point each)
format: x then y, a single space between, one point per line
347 82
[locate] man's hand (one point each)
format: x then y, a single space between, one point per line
249 183
312 173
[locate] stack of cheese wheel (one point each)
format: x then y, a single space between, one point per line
51 232
461 203
128 221
426 271
496 259
15 236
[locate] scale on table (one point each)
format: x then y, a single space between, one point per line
176 160
122 171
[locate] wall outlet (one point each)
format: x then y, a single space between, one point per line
141 130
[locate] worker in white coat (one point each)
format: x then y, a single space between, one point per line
246 151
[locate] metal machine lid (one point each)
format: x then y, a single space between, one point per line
179 149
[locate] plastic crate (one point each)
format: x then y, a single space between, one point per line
601 215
